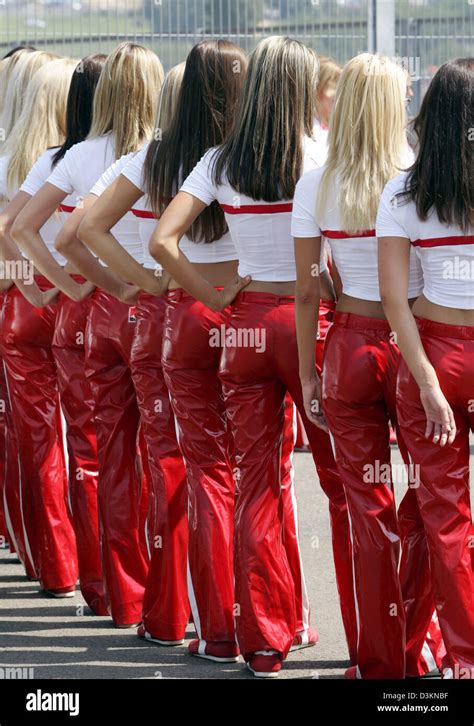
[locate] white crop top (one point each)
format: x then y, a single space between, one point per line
445 253
261 231
34 181
79 170
355 256
222 250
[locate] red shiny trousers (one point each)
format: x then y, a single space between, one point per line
292 430
359 379
259 366
109 336
165 603
77 405
36 415
443 494
191 355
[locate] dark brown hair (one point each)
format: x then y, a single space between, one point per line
442 177
79 102
211 86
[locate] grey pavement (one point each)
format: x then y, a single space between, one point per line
62 639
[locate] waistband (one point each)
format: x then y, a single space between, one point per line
443 330
179 294
264 298
361 322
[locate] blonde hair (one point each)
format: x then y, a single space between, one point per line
169 96
125 97
42 122
367 139
263 155
329 75
22 71
6 68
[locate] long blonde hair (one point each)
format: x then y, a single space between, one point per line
42 122
22 70
263 155
126 96
367 138
169 95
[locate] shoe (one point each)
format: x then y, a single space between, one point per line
223 652
145 635
265 664
60 592
351 673
124 626
304 639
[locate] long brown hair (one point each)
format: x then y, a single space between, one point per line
211 86
263 156
442 177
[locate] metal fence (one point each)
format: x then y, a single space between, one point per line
424 32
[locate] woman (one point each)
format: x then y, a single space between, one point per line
360 359
329 75
44 521
430 209
135 73
253 176
68 351
205 109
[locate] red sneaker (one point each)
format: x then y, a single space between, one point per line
305 639
265 664
224 652
145 635
352 673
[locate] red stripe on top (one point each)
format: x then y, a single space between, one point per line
465 239
258 208
333 234
144 214
65 208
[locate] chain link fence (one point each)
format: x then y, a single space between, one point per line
424 33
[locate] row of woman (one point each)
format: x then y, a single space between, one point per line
183 251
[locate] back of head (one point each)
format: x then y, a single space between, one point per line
80 99
329 74
263 156
126 97
25 65
210 89
169 95
42 123
442 177
367 138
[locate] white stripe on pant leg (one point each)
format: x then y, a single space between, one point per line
356 604
66 453
304 591
25 534
191 594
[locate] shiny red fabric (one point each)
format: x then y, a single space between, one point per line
109 336
191 364
34 398
256 377
356 387
443 494
78 408
165 603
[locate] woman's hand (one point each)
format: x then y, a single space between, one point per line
440 424
130 294
86 290
312 402
225 297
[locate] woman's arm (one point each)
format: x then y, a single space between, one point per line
26 233
164 248
307 255
16 268
69 245
394 270
95 231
